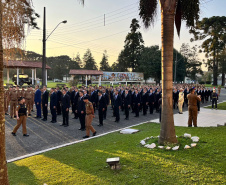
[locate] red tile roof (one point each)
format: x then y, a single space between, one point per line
85 72
23 64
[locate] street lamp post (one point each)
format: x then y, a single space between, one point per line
44 79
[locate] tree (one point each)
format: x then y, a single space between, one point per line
213 33
133 45
88 60
180 66
14 14
104 66
172 11
78 60
150 63
222 60
60 66
193 63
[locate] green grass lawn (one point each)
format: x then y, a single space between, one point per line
85 163
220 106
209 85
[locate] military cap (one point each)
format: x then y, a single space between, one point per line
85 98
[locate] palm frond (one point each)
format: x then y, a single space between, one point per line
190 11
148 11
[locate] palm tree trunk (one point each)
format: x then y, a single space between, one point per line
3 164
167 132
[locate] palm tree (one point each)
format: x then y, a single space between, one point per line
172 11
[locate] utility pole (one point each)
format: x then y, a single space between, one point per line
175 74
44 50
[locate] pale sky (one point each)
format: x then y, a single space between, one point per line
85 27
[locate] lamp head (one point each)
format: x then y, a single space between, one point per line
64 22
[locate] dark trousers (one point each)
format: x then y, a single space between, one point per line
151 107
198 105
82 120
175 104
53 112
73 107
133 109
45 111
127 111
116 111
38 108
100 113
65 117
202 99
136 110
122 107
144 108
214 101
105 112
58 108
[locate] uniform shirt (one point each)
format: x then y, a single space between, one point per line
28 95
13 96
192 99
89 108
21 109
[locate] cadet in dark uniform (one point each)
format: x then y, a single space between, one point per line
45 97
192 108
21 115
89 117
81 111
75 103
117 106
127 103
144 100
214 99
101 107
53 104
59 95
65 108
151 101
136 101
93 98
105 95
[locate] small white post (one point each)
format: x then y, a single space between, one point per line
32 76
46 76
7 75
86 80
100 80
17 76
35 74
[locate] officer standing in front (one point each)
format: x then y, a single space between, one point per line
192 107
21 115
89 117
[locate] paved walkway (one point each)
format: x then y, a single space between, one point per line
206 118
45 135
